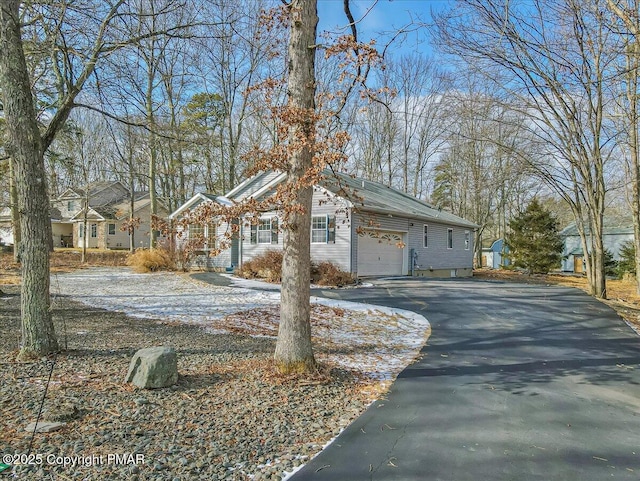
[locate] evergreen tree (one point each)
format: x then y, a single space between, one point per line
627 261
534 241
610 264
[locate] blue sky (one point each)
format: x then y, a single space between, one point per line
381 19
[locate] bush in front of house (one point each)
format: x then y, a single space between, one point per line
151 260
268 267
328 274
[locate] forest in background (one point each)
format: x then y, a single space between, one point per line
514 100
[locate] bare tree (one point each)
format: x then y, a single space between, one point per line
69 61
481 170
26 147
551 59
627 27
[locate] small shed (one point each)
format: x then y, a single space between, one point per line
493 257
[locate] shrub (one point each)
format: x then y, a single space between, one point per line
328 274
267 266
151 260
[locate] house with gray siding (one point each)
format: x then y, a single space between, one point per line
364 227
615 233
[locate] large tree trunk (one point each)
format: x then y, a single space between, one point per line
24 144
293 349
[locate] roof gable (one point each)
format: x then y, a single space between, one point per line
71 194
92 214
196 200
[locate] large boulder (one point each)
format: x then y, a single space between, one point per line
153 367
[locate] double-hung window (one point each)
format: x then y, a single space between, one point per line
265 232
203 236
449 238
425 238
323 229
319 228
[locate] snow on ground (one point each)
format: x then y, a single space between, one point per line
378 342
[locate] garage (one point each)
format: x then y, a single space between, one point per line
380 253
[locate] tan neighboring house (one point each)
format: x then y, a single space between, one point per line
103 207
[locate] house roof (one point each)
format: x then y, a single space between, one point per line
98 193
612 226
364 195
198 199
374 197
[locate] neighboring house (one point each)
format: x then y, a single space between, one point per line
615 233
105 206
383 232
493 257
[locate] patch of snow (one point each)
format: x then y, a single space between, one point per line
396 334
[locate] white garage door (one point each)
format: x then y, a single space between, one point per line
379 253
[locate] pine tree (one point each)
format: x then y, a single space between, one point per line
627 262
534 242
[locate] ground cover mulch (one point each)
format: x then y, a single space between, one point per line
229 417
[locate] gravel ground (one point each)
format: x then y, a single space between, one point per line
229 416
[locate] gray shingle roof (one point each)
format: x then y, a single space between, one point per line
375 197
611 227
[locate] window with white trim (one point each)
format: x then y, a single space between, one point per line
203 235
94 230
323 229
467 240
111 229
449 238
319 229
264 231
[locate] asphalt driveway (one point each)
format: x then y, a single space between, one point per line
517 382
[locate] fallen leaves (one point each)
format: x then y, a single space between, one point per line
371 343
